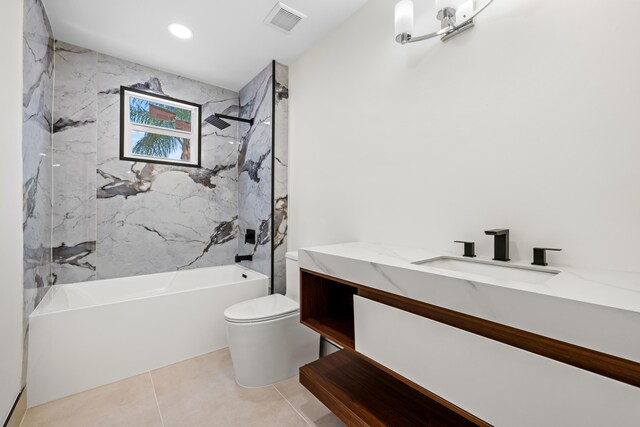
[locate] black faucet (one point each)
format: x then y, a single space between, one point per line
500 243
469 248
540 255
244 258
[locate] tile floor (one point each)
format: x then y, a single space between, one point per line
197 392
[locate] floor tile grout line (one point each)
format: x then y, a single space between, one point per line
291 404
155 395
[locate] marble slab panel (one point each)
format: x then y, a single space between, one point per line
280 176
36 151
74 164
153 218
254 170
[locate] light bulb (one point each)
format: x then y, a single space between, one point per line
404 17
180 31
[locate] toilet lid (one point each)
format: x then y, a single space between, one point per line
261 309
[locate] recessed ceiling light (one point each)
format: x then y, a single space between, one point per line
180 31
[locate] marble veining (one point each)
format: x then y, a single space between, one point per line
63 124
226 231
75 255
143 179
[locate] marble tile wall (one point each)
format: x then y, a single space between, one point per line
108 218
74 157
262 168
280 175
38 62
254 170
116 218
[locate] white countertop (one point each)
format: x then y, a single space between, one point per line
608 288
594 309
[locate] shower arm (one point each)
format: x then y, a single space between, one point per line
237 119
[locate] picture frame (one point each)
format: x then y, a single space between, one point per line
159 129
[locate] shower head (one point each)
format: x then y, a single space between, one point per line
216 120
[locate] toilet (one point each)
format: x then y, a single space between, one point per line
268 343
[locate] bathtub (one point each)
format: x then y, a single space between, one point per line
85 335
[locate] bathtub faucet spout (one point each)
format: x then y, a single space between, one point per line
244 258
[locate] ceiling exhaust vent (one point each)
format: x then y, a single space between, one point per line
283 17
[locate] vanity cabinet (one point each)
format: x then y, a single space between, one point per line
358 390
451 369
500 384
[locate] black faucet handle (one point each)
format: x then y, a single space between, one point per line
540 255
497 232
469 248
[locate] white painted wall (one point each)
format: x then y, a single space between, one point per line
530 121
11 206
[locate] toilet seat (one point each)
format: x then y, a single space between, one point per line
261 309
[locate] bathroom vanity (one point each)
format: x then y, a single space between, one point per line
436 339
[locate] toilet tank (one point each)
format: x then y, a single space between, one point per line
293 276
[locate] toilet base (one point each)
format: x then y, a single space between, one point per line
268 352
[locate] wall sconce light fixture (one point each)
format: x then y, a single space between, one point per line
455 17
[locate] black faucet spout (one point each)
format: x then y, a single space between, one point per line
240 258
500 243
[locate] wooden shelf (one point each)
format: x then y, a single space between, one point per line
361 394
339 331
326 306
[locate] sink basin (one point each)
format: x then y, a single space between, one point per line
516 273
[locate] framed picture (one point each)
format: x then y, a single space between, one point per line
159 129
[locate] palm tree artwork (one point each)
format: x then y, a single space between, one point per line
154 144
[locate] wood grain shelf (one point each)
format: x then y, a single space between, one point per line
339 331
361 394
326 306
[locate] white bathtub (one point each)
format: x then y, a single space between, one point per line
89 334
